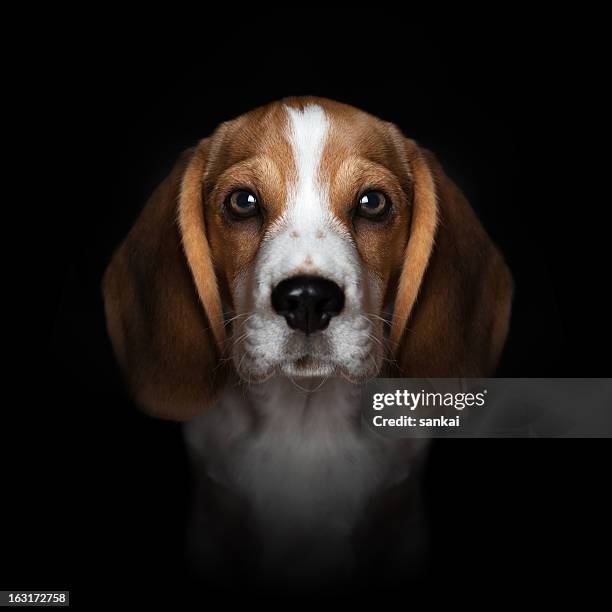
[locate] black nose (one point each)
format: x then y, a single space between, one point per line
307 302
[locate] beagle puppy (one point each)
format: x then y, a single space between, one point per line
302 249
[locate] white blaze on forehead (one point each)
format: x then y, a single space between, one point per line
308 236
307 133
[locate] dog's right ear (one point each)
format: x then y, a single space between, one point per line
162 304
453 302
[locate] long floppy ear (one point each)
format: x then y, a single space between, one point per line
452 307
161 300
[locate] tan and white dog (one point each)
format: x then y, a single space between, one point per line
302 249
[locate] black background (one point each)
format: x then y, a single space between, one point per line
95 493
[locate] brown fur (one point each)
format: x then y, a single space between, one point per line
459 321
160 330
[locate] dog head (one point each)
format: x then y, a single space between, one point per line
303 239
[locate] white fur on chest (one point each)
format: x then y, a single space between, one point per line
300 459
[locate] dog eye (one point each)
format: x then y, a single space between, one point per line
242 203
373 205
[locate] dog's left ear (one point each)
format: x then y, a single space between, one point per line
452 306
162 304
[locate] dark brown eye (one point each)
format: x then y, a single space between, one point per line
373 205
242 204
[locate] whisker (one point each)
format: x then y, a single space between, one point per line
374 339
238 316
378 317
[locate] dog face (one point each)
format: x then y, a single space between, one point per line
307 216
294 242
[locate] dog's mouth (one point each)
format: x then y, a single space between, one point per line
353 353
308 366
